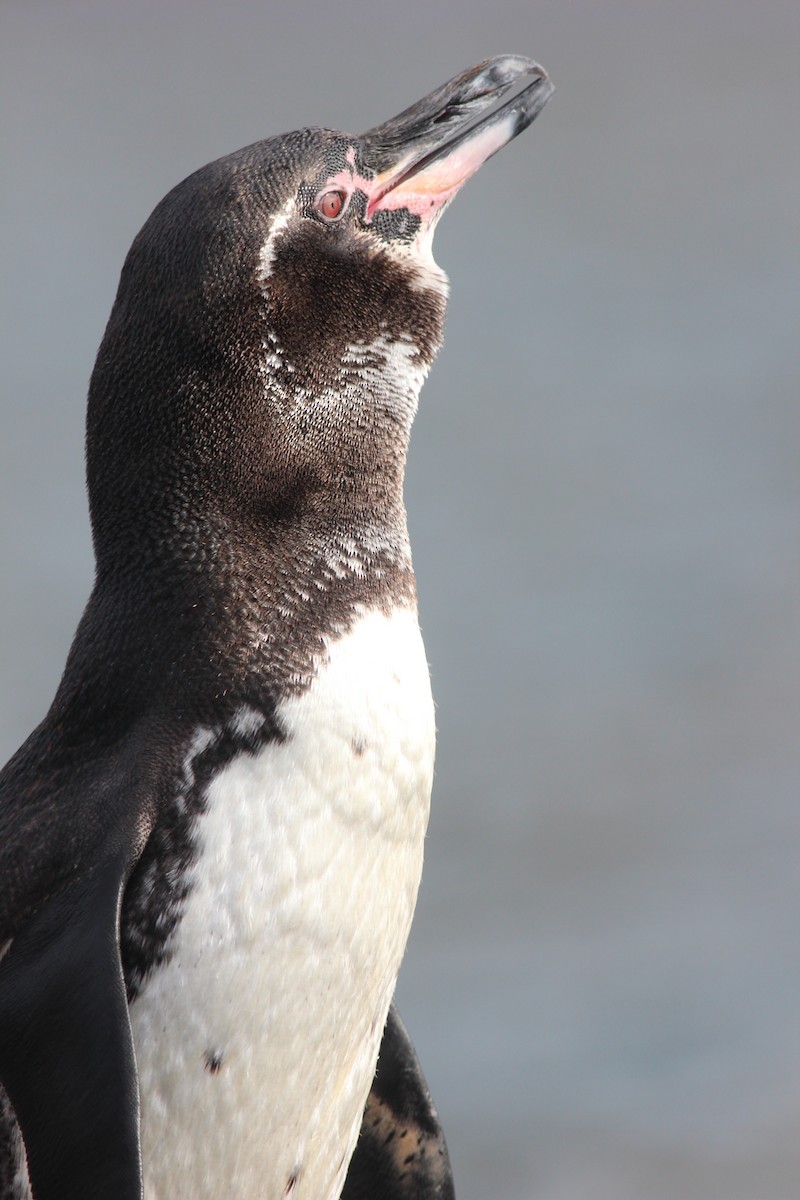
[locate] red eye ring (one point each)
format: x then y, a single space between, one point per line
330 205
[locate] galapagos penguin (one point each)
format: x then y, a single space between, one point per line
210 848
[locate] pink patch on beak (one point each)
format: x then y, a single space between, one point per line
426 190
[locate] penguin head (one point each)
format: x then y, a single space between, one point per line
278 312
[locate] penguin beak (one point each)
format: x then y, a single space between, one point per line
423 156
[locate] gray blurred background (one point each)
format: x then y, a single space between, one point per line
604 975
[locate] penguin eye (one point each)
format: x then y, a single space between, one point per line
330 205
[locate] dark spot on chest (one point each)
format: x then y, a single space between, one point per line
213 1061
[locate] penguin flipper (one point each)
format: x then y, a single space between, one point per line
401 1153
66 1050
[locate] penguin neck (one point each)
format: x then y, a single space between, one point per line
245 493
241 607
283 535
302 539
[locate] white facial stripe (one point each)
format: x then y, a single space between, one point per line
266 256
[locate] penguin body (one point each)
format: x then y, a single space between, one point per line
321 886
210 849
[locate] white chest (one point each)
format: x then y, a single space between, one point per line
256 1043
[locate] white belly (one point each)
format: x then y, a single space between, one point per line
286 957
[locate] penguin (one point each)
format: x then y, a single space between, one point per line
210 848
